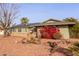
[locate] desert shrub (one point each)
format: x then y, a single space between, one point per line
31 40
23 41
53 46
57 36
75 49
64 51
76 44
34 41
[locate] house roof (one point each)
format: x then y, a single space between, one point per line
51 20
56 22
25 25
20 26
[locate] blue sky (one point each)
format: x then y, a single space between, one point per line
38 12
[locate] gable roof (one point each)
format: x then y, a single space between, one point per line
52 20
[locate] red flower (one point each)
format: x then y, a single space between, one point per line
48 31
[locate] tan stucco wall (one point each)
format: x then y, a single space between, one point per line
19 34
64 30
38 33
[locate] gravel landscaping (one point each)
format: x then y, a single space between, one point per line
11 46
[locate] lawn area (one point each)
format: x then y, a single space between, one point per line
10 47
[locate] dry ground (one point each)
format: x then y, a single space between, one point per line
10 47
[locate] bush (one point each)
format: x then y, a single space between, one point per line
34 41
75 49
23 41
57 36
48 31
76 44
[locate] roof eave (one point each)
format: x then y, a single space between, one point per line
68 23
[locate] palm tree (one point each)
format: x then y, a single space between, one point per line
24 20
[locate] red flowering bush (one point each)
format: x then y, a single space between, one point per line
48 31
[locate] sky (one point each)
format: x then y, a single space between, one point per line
39 12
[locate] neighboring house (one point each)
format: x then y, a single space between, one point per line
63 27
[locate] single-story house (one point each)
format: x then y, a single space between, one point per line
63 27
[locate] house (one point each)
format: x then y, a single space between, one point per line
23 29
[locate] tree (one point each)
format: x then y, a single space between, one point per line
24 20
8 14
74 30
70 19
